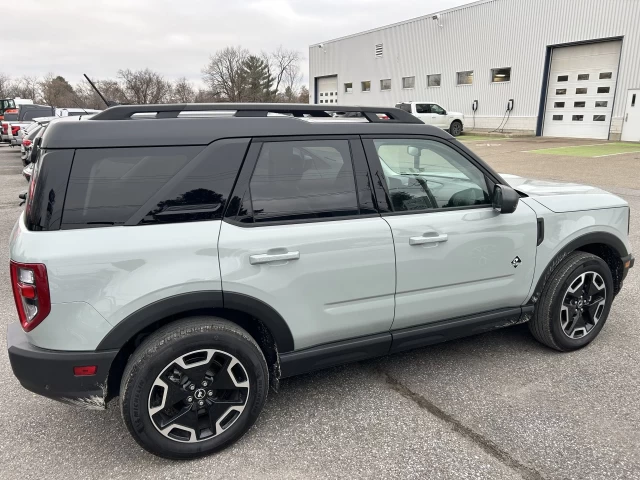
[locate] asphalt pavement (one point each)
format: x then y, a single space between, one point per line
492 406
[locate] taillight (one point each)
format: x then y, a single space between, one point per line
26 142
14 130
31 292
5 128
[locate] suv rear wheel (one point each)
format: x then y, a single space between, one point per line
574 303
193 387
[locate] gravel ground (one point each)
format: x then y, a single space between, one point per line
497 405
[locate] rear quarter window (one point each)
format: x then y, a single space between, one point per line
108 185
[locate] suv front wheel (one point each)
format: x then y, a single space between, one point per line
193 387
574 303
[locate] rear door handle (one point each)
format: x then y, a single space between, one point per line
422 240
277 257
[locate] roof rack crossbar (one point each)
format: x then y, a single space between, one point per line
372 114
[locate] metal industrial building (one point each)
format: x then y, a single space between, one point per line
571 67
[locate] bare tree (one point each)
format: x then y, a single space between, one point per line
224 75
88 98
281 64
183 92
143 86
206 96
5 85
26 87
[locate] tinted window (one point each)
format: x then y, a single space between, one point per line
605 75
583 76
404 106
563 78
561 91
201 190
581 91
577 118
579 104
108 185
557 117
558 105
601 104
433 80
599 118
423 174
437 109
603 89
423 108
303 180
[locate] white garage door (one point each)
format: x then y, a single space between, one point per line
582 82
328 90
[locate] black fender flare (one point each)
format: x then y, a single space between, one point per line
603 238
185 303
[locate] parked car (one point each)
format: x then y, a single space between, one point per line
26 114
30 134
433 114
10 105
27 172
75 112
198 260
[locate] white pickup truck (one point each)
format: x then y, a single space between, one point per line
433 114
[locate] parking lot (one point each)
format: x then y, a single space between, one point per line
497 405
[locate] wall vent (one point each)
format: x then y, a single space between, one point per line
379 50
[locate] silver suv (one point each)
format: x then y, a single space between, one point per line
187 257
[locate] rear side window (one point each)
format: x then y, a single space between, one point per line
404 106
108 185
303 180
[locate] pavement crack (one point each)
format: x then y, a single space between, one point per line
457 426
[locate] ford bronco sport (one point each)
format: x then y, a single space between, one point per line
187 257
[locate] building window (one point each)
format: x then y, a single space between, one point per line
599 118
583 76
385 84
408 82
579 104
366 86
499 75
379 50
603 89
348 88
320 93
602 104
605 75
331 94
433 80
581 91
561 91
558 105
577 118
563 78
465 78
557 117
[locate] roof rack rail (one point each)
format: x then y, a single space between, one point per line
372 114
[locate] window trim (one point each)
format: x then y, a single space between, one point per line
243 180
345 87
458 84
365 91
500 68
382 189
414 83
433 75
386 89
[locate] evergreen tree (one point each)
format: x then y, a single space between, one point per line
257 80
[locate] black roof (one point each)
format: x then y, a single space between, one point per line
200 124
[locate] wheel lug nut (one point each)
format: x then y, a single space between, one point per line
190 399
205 383
201 403
192 387
210 393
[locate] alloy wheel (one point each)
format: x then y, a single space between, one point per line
583 305
198 395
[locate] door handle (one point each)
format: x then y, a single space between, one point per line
276 257
423 240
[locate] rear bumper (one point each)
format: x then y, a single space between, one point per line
50 373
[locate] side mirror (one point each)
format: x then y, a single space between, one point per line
34 150
413 151
505 199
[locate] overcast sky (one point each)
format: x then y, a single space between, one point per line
98 37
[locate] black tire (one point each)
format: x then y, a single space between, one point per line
158 351
546 324
456 128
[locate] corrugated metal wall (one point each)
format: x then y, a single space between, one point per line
479 37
